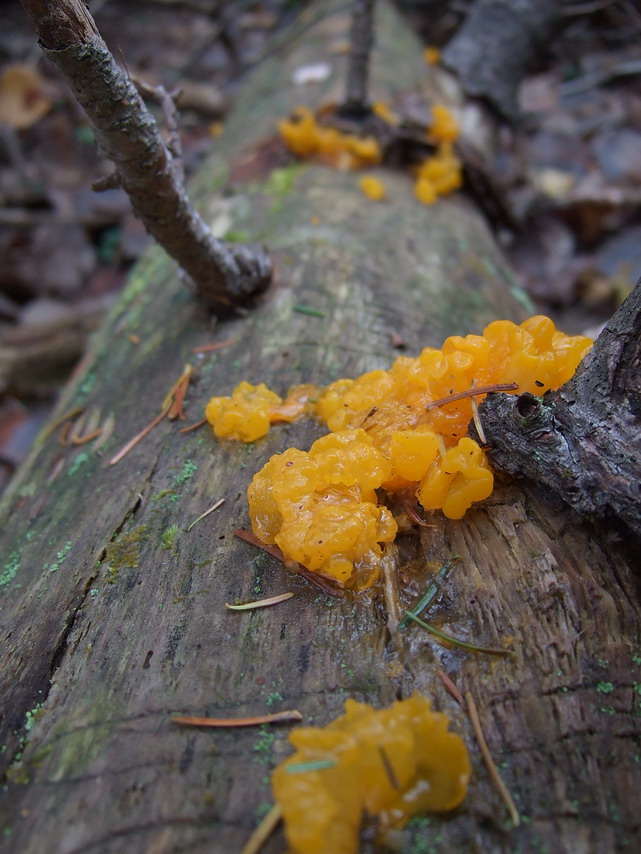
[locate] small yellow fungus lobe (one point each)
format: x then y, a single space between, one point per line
304 137
320 507
244 415
442 173
432 55
444 127
392 763
372 188
383 111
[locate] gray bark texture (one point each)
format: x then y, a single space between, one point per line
113 614
584 440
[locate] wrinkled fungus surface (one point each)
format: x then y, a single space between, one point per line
390 763
391 430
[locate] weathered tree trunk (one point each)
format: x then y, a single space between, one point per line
112 618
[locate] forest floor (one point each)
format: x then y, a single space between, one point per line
568 173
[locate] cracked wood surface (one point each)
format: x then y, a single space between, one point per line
113 615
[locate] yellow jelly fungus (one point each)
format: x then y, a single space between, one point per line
244 415
393 430
304 137
425 191
320 507
382 110
372 188
391 763
444 127
432 55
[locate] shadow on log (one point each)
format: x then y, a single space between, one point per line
113 614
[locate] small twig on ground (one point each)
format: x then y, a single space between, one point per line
126 131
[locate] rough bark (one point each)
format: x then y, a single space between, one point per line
128 135
583 441
110 622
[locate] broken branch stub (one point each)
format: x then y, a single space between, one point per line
127 133
584 440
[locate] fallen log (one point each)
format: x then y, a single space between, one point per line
113 613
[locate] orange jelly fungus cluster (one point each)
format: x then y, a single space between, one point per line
304 137
321 508
438 175
391 763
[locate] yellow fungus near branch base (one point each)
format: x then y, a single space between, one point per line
393 430
391 763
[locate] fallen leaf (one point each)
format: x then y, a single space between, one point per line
23 98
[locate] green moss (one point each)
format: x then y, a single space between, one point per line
79 461
282 181
264 745
274 697
605 687
27 490
168 538
238 236
60 558
10 569
124 553
32 716
188 471
608 710
163 493
18 773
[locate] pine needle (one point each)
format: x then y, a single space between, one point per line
489 762
210 348
476 418
471 392
139 436
206 513
260 603
432 590
193 426
288 716
488 650
450 687
53 425
264 830
310 765
315 578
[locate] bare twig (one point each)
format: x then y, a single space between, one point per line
127 133
167 101
361 40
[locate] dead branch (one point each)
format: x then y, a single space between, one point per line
128 134
357 104
584 440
